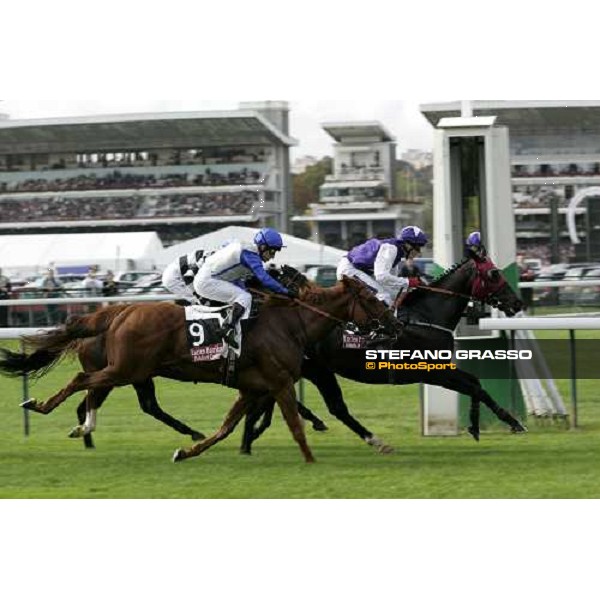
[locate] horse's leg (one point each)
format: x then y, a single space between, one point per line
96 398
469 385
308 415
325 381
234 416
49 405
251 433
146 393
286 398
108 377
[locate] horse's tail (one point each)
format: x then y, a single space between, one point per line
50 347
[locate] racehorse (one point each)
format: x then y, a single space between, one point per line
430 314
92 356
145 341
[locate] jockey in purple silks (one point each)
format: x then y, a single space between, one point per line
474 246
376 263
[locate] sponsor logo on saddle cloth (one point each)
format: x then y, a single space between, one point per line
353 340
203 330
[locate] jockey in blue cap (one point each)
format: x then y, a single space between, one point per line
222 274
474 246
376 262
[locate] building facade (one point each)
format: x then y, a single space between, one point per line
180 174
357 201
554 153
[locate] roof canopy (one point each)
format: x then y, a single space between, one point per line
298 253
25 254
139 132
353 131
525 114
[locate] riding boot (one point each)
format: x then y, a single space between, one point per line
230 327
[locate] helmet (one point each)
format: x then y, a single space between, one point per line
270 238
413 235
474 246
474 239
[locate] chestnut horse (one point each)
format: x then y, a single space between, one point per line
430 314
145 341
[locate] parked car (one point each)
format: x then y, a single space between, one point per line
583 296
325 276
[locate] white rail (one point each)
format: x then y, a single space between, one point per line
89 300
551 323
536 285
548 323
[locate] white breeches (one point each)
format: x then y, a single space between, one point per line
173 281
221 291
347 268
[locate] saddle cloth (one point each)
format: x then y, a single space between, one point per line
353 340
204 327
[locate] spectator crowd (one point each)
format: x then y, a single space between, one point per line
58 208
117 180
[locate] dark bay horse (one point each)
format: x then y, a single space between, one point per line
430 315
145 341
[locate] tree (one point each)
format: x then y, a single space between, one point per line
305 186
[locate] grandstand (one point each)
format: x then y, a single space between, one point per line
554 154
179 174
358 201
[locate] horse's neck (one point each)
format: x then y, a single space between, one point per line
319 318
442 309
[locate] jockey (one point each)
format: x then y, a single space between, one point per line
376 263
474 247
178 277
222 273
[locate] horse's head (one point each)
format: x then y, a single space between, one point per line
366 310
291 278
490 286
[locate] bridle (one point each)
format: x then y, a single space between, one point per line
488 298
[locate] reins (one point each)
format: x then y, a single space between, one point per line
300 302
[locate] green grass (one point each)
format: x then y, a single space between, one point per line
133 455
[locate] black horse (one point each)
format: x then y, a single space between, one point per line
430 315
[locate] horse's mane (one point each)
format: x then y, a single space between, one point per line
450 270
418 293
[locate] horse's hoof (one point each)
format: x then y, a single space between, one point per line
197 436
76 432
29 404
320 426
245 452
474 432
179 455
379 445
518 428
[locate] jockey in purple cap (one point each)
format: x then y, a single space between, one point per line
474 246
376 262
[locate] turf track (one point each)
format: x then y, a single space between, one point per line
133 457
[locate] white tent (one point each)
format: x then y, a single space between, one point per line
298 253
26 254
